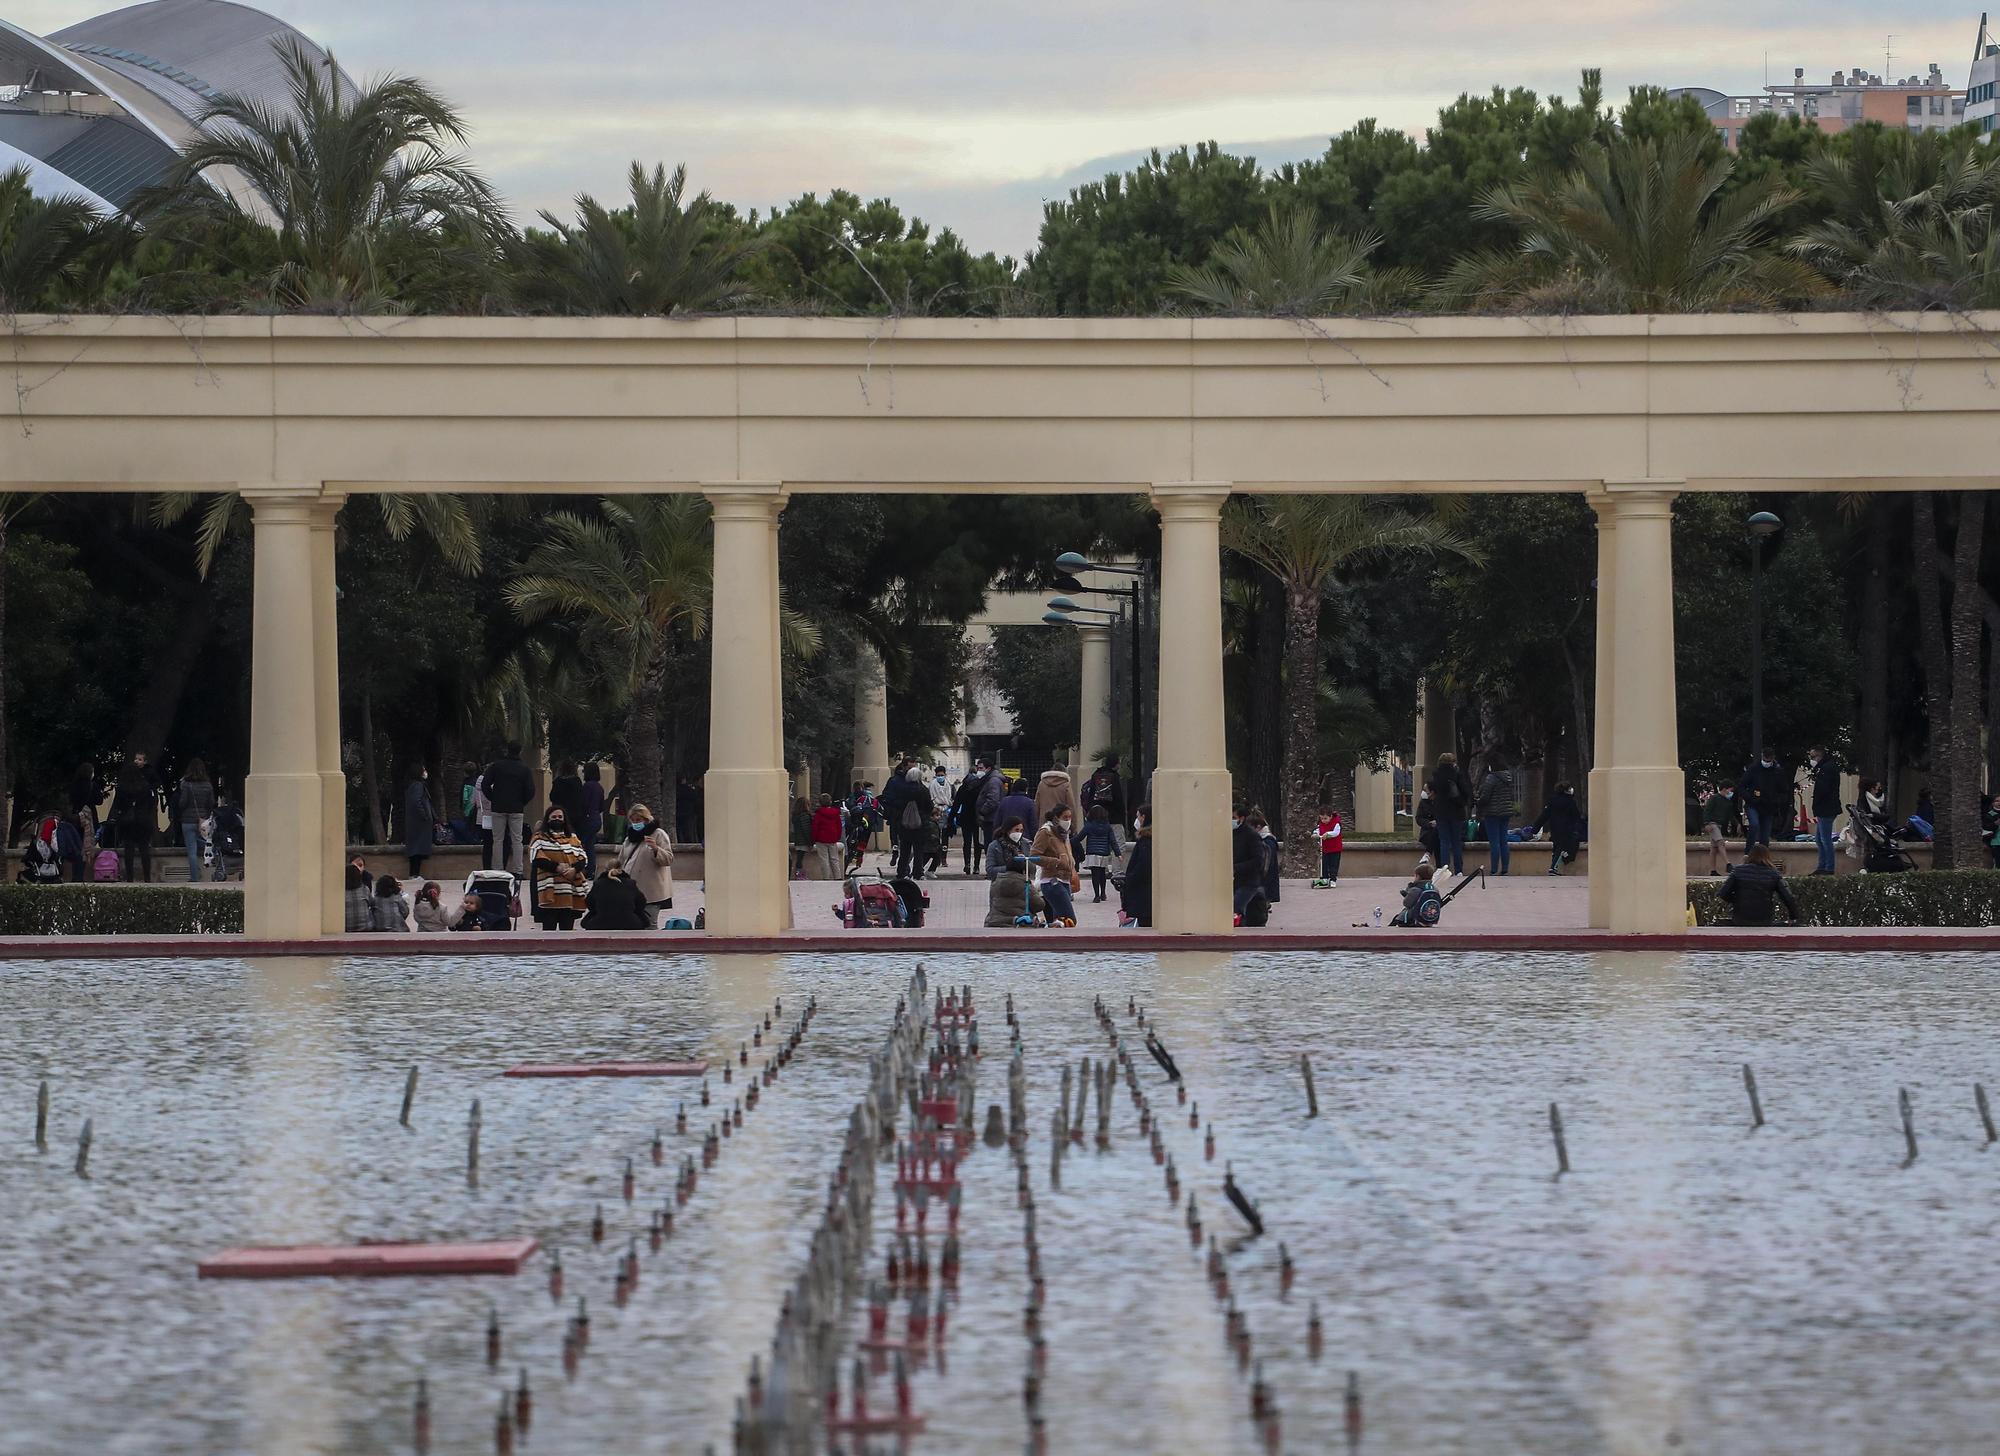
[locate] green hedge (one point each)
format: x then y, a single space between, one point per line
1916 897
119 910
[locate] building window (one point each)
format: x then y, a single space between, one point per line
1916 104
1937 106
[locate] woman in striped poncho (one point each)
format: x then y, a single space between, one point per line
558 879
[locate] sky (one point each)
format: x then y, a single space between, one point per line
972 115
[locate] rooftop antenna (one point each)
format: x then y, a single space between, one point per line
1888 56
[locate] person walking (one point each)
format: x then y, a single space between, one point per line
647 856
1135 892
1105 787
557 884
419 821
1497 802
826 835
1766 791
509 789
134 818
965 813
1451 798
194 803
1719 813
1101 848
1755 889
389 909
1330 837
590 819
1824 774
1562 820
1057 863
986 808
1054 790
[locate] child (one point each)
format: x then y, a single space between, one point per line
390 908
1329 837
1101 848
1419 888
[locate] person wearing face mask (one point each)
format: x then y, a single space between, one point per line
647 855
1013 900
557 883
1135 894
1010 843
1246 857
1825 775
1766 791
1057 862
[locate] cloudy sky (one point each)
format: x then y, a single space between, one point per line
970 115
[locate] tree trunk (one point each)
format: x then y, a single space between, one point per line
1267 686
371 783
1936 662
642 742
172 666
1961 809
1301 770
1871 737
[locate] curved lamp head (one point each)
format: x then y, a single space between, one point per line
1063 604
1764 524
1072 561
1056 619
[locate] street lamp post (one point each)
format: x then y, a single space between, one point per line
1762 527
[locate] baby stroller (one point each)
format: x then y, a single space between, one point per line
498 895
882 903
1880 854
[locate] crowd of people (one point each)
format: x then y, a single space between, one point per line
103 832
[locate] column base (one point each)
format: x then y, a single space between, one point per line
1192 893
1642 856
747 867
285 855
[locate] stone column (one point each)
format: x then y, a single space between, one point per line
746 866
1191 788
285 869
1638 849
1374 799
1094 725
871 721
1597 803
326 716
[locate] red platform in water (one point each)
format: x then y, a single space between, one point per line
607 1069
499 1256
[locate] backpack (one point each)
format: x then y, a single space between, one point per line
104 866
913 817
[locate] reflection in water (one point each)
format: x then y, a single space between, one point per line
1692 1285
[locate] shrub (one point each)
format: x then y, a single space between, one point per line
1917 897
119 910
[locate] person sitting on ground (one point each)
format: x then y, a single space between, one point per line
1754 889
1057 863
360 916
1135 891
1009 842
1013 899
429 911
477 914
390 909
615 903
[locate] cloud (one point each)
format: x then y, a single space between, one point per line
971 116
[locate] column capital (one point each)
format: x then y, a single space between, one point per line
1093 631
1624 499
1190 500
745 500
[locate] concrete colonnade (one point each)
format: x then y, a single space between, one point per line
296 790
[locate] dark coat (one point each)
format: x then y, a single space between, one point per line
1451 791
419 819
1498 797
510 788
1768 790
1826 788
1106 787
992 789
566 793
134 805
1016 806
1246 855
615 903
1753 893
194 801
1563 818
1135 896
1011 897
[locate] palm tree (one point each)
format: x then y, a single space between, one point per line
52 249
637 581
1640 225
1305 541
366 187
1289 267
657 257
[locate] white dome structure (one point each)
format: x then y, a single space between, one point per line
102 108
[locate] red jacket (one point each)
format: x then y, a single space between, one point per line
826 825
1329 834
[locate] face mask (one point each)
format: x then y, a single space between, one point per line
638 827
940 778
1235 823
1017 836
556 824
1139 823
1063 825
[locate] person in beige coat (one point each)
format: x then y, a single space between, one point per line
1055 788
647 855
